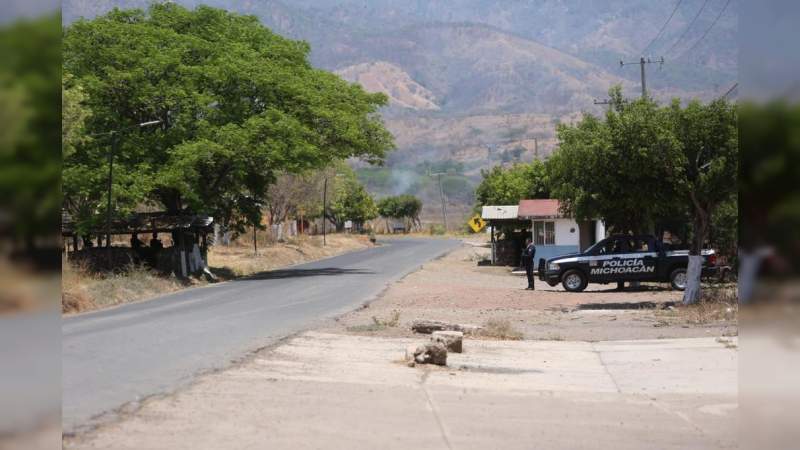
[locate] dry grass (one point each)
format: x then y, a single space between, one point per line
719 303
377 324
238 259
84 291
500 329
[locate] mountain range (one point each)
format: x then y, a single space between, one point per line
477 80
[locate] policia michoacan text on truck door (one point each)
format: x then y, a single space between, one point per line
619 259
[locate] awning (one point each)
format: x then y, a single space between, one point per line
499 212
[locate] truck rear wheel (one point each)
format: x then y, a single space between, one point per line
574 281
677 279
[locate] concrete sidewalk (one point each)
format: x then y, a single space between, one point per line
335 391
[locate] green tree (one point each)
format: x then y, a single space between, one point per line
238 105
406 207
507 186
30 113
709 138
351 201
621 169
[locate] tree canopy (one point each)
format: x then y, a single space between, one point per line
351 200
237 105
622 169
30 169
646 165
404 206
508 185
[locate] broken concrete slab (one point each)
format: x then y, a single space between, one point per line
452 340
425 326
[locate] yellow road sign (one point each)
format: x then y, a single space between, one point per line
476 223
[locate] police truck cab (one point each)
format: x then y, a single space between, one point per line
621 258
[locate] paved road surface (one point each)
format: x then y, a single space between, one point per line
121 355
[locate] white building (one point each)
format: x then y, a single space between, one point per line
553 233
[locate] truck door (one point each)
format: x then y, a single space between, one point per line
603 261
646 268
630 260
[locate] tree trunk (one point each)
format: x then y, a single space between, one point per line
694 270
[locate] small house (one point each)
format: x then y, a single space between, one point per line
555 234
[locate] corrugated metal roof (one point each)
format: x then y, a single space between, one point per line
499 212
544 208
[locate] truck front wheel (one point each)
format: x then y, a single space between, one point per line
677 279
574 281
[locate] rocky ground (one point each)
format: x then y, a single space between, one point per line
456 289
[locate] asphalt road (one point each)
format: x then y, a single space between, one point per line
120 356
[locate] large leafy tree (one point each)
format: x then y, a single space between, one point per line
709 139
622 169
237 105
508 185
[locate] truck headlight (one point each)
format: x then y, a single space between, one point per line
552 266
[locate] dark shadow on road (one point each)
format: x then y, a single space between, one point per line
625 305
300 273
641 288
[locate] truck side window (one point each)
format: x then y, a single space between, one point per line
606 247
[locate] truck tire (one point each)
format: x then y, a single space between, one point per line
574 281
677 279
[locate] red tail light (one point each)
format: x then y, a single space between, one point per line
712 260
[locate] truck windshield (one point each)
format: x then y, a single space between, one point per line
594 249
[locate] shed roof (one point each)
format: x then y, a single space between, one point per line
143 223
493 212
539 209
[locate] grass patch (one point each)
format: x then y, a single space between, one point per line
719 303
377 324
82 290
500 329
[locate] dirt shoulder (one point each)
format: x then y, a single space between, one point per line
82 291
455 289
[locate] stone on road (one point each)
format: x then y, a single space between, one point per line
123 355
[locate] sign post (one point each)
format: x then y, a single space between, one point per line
476 223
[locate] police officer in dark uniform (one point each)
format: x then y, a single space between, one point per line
528 256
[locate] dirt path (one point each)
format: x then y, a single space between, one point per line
456 289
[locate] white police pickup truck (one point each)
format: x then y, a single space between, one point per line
619 259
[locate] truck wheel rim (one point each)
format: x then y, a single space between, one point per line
573 281
680 280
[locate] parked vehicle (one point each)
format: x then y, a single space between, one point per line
622 258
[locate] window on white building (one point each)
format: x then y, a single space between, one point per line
544 233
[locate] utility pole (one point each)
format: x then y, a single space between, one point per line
441 196
114 144
255 241
324 211
642 61
114 141
536 147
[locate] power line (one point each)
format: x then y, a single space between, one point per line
663 27
733 88
688 27
721 12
